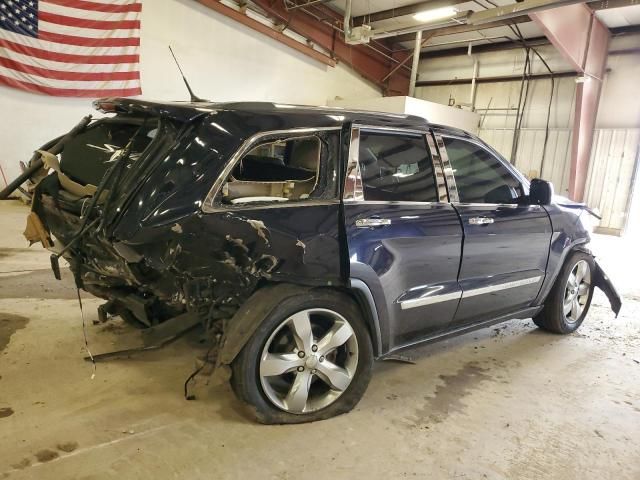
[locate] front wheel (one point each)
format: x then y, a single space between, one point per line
569 301
310 359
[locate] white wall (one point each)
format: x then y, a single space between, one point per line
223 60
619 106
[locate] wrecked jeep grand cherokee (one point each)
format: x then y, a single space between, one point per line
314 239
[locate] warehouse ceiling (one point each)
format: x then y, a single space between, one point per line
379 38
401 13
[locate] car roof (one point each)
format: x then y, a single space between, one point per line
185 111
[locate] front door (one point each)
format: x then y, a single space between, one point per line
506 240
404 238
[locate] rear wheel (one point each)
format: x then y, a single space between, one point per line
309 360
569 301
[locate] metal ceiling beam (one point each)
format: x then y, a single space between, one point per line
497 79
607 4
367 60
484 48
511 45
464 28
268 31
403 11
518 19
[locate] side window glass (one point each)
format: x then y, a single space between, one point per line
284 170
480 176
396 167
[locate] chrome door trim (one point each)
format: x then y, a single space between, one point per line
208 205
501 286
372 222
445 297
430 300
481 220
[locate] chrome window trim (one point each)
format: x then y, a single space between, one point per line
354 162
399 130
447 169
353 168
438 169
208 205
445 297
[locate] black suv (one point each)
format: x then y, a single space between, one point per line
313 239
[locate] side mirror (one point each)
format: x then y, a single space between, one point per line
540 192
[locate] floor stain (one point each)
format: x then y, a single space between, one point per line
22 464
9 324
6 412
46 455
39 284
67 447
447 398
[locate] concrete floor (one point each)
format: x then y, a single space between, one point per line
505 402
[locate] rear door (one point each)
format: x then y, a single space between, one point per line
506 240
404 238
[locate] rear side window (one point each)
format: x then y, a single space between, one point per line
480 176
285 169
396 167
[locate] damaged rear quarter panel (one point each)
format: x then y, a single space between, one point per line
294 243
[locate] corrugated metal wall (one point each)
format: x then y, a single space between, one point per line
529 156
614 159
611 169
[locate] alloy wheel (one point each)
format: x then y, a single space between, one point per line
576 292
308 361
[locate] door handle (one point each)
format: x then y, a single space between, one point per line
372 222
480 220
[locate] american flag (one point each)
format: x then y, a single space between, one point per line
72 48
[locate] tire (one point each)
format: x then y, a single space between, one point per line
554 317
331 315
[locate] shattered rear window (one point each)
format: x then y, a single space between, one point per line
285 169
87 157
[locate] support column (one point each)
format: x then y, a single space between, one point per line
584 42
417 48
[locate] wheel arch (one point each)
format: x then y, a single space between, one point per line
263 301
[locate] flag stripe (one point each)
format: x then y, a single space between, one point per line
84 23
64 48
84 32
60 75
75 84
85 14
89 42
70 92
64 57
67 67
98 7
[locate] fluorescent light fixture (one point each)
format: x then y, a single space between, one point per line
435 14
